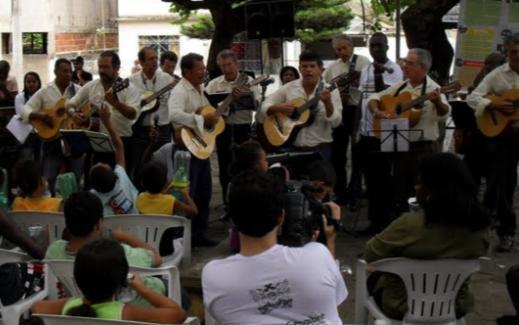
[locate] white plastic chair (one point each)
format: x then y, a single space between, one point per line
150 228
11 313
69 320
432 287
54 221
64 271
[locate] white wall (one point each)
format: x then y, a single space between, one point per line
142 8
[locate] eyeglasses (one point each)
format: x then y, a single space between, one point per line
410 63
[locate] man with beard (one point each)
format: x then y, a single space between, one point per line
123 105
46 97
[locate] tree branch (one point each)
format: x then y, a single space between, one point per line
192 5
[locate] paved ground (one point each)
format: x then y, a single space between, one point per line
488 285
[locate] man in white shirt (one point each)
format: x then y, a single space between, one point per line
168 63
424 135
502 169
374 78
316 135
184 101
266 283
238 119
150 79
124 105
47 97
346 62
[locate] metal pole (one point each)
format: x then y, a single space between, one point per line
397 29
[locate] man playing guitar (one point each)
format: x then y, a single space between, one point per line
502 175
315 136
184 101
354 63
47 97
150 79
239 118
123 105
424 135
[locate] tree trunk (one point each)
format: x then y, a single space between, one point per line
227 23
422 23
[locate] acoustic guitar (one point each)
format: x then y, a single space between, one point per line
492 122
58 114
278 127
201 145
405 106
88 109
150 101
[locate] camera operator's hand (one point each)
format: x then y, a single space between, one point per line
335 209
329 230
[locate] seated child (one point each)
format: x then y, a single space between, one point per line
33 186
100 271
83 219
156 200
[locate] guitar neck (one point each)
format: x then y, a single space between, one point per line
314 100
160 92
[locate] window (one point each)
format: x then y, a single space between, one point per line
32 43
160 43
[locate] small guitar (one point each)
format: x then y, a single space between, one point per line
201 145
404 106
150 102
88 109
492 122
278 127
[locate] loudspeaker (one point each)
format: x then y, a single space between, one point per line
266 19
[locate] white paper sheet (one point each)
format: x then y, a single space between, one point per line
19 129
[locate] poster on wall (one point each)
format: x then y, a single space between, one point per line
483 27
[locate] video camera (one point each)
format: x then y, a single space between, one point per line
303 215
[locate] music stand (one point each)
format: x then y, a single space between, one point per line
82 141
394 137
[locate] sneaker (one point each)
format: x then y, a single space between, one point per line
203 241
506 243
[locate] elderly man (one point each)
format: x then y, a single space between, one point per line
424 135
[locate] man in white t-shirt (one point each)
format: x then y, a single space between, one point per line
267 283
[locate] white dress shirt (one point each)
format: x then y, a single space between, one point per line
94 92
367 88
220 85
429 119
157 82
183 103
47 97
320 131
496 83
339 67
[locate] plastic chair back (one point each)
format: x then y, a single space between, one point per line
67 184
149 228
69 320
53 221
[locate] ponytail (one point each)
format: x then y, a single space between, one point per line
83 310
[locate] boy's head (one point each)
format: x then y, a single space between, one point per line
255 203
83 211
153 177
322 176
102 178
29 178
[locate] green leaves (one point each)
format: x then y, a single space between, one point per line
202 28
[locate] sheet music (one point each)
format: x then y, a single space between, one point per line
387 135
19 129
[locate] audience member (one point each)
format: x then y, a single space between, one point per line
101 271
287 74
34 195
451 224
112 185
248 156
8 85
263 284
79 75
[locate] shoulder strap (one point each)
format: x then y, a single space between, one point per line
400 89
353 62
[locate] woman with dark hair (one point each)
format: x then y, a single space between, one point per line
287 74
31 84
450 224
101 271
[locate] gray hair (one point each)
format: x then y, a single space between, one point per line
424 57
224 54
342 37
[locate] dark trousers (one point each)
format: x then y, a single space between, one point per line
406 170
377 167
298 166
53 159
341 139
232 135
140 140
200 189
512 284
503 155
